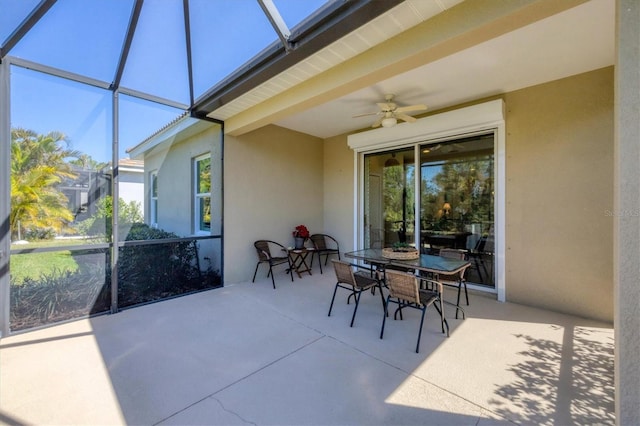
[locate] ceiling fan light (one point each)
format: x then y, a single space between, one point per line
389 122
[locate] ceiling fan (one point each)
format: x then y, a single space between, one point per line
390 112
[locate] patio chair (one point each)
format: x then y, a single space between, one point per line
404 290
324 245
356 283
456 280
263 249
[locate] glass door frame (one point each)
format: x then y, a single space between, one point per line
481 118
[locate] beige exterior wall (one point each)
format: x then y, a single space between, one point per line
273 182
559 167
559 234
339 191
175 185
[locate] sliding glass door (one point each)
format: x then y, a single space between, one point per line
457 201
454 190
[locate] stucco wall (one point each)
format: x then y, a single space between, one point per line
175 186
273 182
559 168
559 236
559 153
339 191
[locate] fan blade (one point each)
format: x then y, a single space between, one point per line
405 117
378 122
365 114
418 107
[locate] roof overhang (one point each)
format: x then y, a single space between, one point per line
178 130
326 26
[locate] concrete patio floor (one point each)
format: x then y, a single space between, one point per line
248 354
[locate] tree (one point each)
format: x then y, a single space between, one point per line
86 162
100 222
38 165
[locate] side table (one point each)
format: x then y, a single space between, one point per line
298 259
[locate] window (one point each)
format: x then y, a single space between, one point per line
202 193
153 206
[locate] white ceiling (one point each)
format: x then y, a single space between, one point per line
578 40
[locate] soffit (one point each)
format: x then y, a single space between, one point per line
490 49
399 19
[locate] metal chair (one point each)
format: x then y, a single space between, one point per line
324 245
264 256
405 289
356 283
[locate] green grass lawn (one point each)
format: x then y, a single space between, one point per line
34 265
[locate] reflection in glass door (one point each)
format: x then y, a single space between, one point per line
389 198
455 199
456 202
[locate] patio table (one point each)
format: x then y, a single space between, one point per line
425 263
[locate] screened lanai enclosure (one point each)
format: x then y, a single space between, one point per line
90 223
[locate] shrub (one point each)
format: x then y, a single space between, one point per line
146 273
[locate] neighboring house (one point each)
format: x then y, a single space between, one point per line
131 180
90 186
83 191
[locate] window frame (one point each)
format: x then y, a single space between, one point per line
199 196
153 199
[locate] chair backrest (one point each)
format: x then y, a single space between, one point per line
403 286
344 273
262 249
453 254
319 242
324 242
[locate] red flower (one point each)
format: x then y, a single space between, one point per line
301 231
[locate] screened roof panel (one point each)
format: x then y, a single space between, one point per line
13 13
295 11
222 50
157 61
82 37
225 35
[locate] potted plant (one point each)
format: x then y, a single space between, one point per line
300 234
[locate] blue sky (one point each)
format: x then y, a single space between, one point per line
85 37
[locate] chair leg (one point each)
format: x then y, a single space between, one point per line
424 310
290 268
319 262
332 299
381 295
458 299
273 281
355 309
254 273
385 315
443 320
466 295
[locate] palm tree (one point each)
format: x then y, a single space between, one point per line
38 165
86 162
